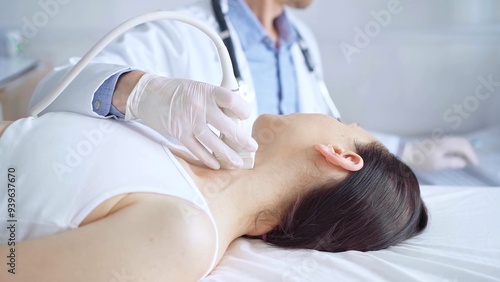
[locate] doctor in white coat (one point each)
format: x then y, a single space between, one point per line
165 73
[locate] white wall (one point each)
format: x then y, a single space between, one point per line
74 26
417 68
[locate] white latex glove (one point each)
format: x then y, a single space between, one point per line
183 109
434 154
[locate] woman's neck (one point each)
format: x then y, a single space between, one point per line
237 198
266 12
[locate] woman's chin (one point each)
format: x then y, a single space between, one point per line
259 126
267 127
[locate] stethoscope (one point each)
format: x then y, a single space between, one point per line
225 34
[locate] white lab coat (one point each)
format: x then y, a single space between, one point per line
174 49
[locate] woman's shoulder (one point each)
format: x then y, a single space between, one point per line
183 234
3 126
169 239
186 229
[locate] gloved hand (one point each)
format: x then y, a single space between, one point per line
434 154
183 109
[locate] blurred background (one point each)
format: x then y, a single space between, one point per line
408 74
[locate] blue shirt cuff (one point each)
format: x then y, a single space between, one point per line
102 102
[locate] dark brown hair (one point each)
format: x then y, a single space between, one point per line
372 209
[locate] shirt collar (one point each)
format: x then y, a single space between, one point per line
288 33
250 30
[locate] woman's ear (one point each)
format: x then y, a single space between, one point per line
336 156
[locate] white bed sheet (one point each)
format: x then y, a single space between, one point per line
461 243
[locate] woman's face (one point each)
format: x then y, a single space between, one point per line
291 134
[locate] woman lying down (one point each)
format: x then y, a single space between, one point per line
94 198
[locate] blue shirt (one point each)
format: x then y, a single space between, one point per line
102 102
272 67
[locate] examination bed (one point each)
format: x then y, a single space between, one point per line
461 243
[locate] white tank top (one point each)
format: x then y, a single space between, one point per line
63 165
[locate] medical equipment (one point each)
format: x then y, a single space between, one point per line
11 43
228 80
226 37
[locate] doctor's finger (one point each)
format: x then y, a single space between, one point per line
232 101
220 149
232 131
460 147
454 162
197 149
470 155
